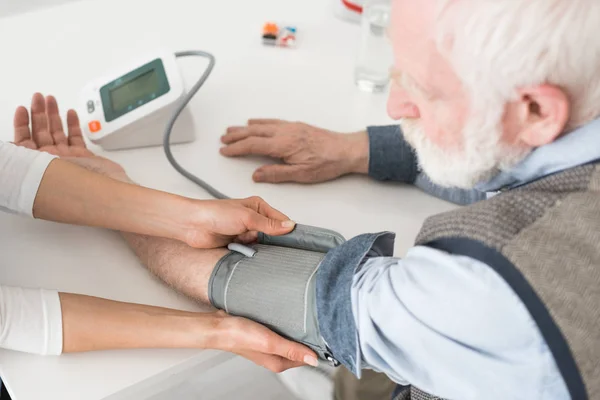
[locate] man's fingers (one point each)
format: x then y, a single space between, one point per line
54 122
39 122
237 133
266 121
257 146
74 129
22 133
280 173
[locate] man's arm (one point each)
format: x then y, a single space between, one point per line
450 325
184 268
312 155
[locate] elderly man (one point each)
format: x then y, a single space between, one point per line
497 300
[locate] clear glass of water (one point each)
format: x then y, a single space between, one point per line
375 53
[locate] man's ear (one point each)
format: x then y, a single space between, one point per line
543 114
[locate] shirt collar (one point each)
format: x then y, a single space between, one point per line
576 148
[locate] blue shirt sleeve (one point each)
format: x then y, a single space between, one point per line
391 158
444 323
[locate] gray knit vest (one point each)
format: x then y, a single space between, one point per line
543 239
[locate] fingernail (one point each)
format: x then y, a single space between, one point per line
258 176
310 360
288 224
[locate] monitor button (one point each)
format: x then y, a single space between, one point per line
94 126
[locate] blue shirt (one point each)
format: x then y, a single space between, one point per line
448 324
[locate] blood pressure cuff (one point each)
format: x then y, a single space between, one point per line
274 283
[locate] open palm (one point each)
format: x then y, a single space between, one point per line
44 132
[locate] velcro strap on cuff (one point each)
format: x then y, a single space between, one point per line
306 238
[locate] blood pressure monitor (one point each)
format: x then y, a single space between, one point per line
129 106
137 106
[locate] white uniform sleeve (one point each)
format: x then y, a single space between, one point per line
21 171
30 320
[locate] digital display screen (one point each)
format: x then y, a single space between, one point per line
135 90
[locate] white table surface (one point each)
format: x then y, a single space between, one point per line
57 50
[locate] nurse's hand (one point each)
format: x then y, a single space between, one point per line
216 223
199 223
258 344
44 132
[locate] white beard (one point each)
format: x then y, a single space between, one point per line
481 157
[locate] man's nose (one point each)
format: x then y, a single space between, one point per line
399 105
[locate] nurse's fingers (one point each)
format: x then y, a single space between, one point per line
22 133
39 122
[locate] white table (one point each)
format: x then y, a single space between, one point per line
58 50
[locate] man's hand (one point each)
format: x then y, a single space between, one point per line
199 223
309 154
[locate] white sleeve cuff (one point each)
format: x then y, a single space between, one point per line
31 320
54 323
21 172
31 183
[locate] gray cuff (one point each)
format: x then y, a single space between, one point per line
391 158
274 283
